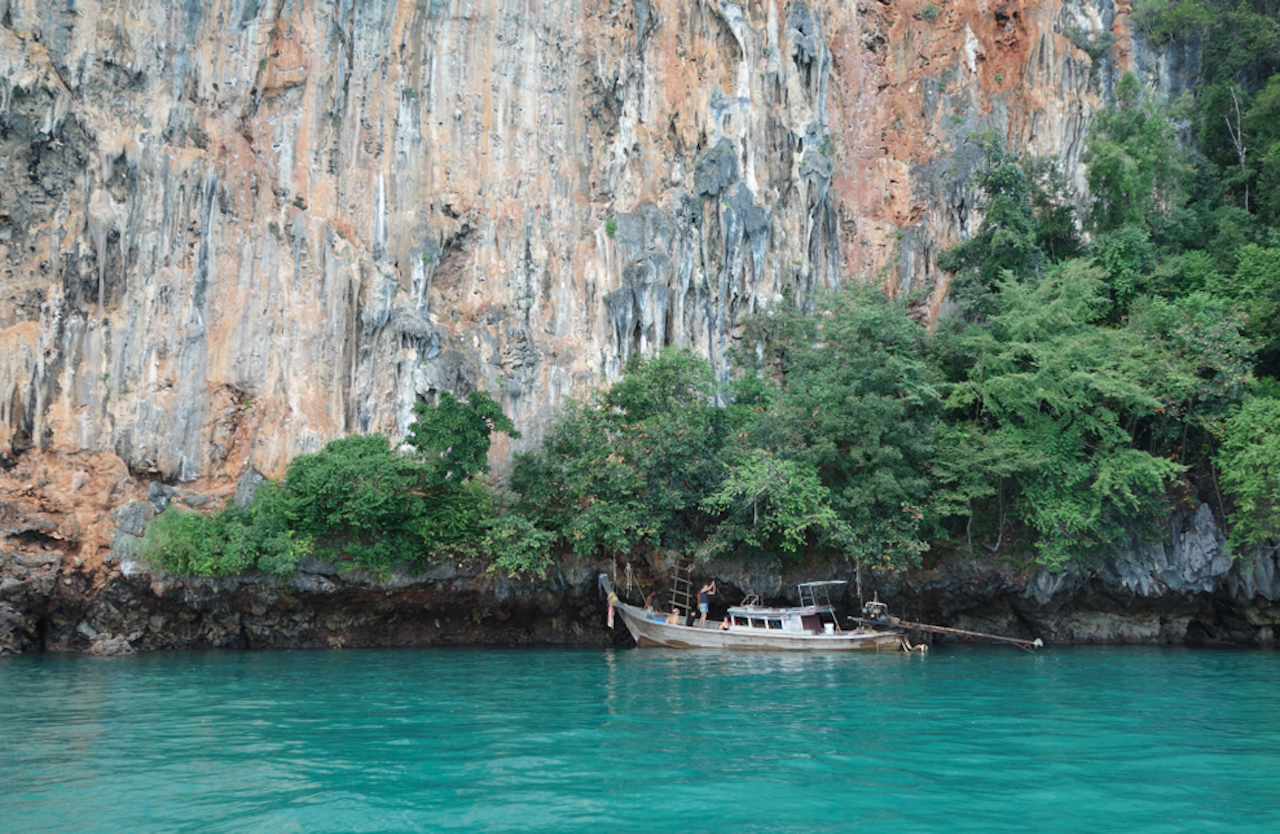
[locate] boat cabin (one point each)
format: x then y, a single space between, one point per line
814 615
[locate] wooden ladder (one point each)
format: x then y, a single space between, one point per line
682 593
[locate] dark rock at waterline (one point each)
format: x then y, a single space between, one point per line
1184 590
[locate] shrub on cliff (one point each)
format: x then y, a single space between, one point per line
1051 381
630 465
1250 464
255 539
377 506
357 501
844 448
363 501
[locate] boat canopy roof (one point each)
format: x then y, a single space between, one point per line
761 613
822 583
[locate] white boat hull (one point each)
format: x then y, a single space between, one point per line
649 630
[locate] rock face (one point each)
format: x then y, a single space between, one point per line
235 229
1186 589
232 230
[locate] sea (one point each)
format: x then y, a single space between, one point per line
961 739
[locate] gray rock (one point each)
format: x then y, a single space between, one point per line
124 548
108 646
159 495
716 170
132 517
1193 559
1046 585
38 558
312 565
247 487
1256 576
313 584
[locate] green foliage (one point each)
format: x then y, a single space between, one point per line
360 499
1061 389
930 13
189 543
1126 256
357 501
517 547
1027 222
769 502
1094 44
1135 165
1160 20
455 435
256 539
1199 369
611 227
1006 240
1250 464
1262 129
858 406
630 465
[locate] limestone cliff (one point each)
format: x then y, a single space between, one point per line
231 230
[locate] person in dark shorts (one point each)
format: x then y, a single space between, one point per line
704 602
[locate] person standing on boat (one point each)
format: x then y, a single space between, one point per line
704 602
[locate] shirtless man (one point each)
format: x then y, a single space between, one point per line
704 602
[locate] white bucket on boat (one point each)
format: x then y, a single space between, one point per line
829 628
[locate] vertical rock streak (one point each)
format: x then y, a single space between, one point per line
231 230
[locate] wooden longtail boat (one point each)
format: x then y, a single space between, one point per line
809 627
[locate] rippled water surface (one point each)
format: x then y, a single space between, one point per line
980 740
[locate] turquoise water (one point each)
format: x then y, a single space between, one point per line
979 739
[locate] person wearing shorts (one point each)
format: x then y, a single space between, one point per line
704 602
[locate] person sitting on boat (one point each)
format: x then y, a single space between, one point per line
725 623
704 602
674 617
648 601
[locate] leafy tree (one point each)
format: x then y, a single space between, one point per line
1028 221
1250 465
1161 20
257 539
771 503
1126 256
1135 167
518 547
859 407
1262 130
1198 369
630 465
973 466
1062 389
1006 239
359 497
457 434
